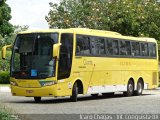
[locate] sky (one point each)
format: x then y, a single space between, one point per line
30 12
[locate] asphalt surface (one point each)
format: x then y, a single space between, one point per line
148 103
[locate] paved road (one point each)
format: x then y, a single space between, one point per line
148 103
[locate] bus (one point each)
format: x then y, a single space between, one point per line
69 62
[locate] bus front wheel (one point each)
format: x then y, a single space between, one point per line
37 99
74 93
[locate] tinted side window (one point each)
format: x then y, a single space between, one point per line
128 47
82 45
115 47
112 47
125 48
97 46
152 49
135 49
144 49
65 57
109 48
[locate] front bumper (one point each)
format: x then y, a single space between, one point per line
33 92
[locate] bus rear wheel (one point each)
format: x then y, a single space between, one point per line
74 93
37 99
130 89
139 88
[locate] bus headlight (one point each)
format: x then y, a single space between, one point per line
13 83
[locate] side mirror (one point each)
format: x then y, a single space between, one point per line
56 48
4 51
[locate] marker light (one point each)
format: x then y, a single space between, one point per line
13 83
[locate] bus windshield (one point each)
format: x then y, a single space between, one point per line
33 56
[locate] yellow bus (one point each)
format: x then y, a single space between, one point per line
68 62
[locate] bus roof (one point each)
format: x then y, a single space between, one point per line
93 32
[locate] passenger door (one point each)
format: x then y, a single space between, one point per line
65 57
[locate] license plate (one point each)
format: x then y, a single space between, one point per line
29 91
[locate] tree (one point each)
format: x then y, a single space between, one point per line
5 15
5 64
20 28
9 39
128 17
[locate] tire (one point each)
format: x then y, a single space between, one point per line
37 99
130 89
94 95
139 88
108 94
74 93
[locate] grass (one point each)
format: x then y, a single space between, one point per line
5 114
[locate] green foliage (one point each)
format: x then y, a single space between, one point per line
128 17
9 39
5 114
5 15
20 28
4 77
5 64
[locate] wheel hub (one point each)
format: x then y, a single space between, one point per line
130 88
139 87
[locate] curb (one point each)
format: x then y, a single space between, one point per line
5 89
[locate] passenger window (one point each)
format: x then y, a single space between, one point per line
152 49
112 47
82 45
128 47
135 49
125 48
115 47
109 47
97 46
144 49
